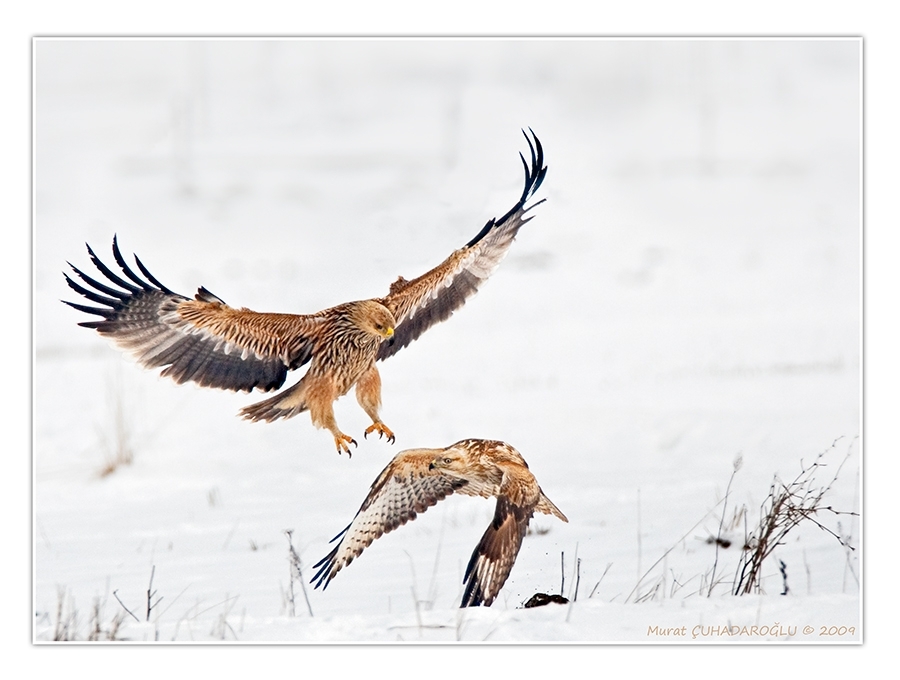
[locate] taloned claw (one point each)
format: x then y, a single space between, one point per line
342 442
382 430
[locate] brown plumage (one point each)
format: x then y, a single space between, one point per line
205 341
418 478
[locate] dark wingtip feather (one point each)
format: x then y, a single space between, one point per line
105 313
130 290
108 273
117 254
527 176
152 278
485 230
473 596
91 295
341 532
96 284
534 173
540 179
323 576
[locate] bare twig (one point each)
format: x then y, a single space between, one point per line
562 572
65 622
415 598
848 564
577 581
116 595
738 461
666 553
151 594
782 567
597 585
577 575
296 566
808 574
785 507
117 443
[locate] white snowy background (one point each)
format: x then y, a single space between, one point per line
688 294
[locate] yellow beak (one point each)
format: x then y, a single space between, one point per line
388 332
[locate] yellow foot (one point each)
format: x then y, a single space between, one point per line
382 430
343 442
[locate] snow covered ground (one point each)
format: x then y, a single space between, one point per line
688 294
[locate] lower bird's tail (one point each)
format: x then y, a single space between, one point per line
547 506
285 404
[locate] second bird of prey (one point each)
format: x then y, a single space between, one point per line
416 479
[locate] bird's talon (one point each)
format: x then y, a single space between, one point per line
382 430
343 442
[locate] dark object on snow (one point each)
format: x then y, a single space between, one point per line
719 540
543 599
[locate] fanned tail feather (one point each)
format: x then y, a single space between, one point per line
286 404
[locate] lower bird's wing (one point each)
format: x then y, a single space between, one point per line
495 554
404 488
201 340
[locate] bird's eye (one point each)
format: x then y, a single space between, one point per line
379 326
448 460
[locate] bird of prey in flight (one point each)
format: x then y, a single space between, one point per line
206 341
416 479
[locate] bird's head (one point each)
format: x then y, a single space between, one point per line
448 460
375 319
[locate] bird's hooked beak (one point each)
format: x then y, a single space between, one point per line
431 466
389 332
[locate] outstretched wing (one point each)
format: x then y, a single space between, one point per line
202 340
404 488
433 297
495 554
